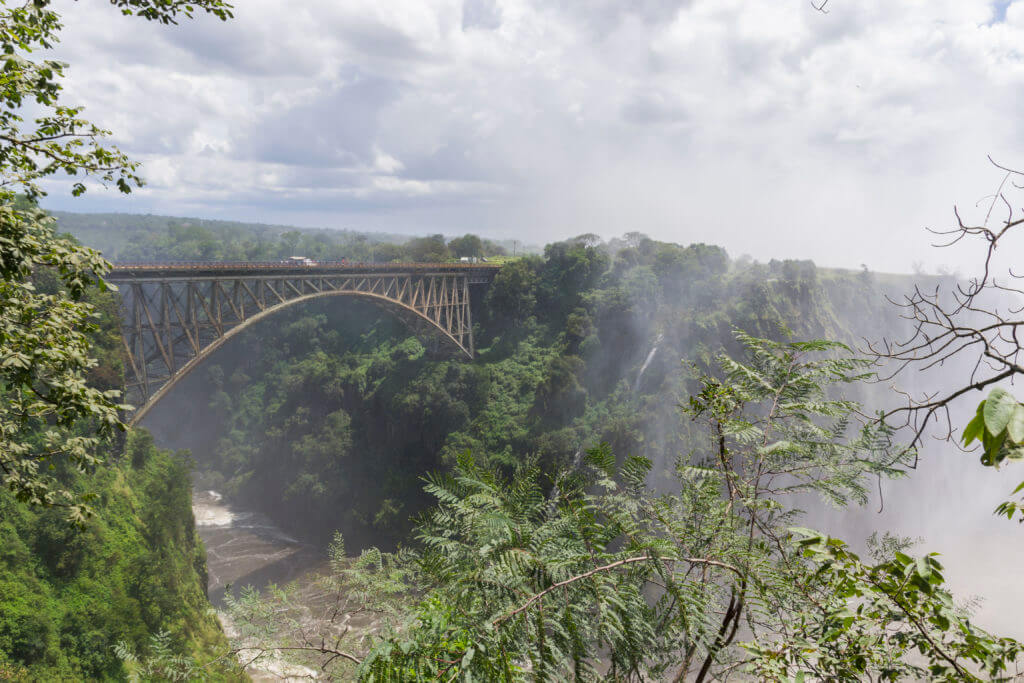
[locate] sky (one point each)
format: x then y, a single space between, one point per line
764 126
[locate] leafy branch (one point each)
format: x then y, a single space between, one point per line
49 414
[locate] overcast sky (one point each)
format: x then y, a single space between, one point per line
761 125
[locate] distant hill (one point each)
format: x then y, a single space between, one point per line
113 233
127 237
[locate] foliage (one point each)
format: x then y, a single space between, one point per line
133 238
432 249
799 442
512 296
69 595
49 412
890 621
553 372
596 576
45 360
494 550
999 426
467 245
160 663
359 595
561 342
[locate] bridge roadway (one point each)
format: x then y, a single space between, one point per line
480 273
175 314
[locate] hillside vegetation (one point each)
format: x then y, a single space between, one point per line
68 596
334 411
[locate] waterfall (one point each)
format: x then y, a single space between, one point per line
647 361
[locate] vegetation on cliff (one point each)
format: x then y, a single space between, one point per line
72 589
600 577
69 595
334 410
649 565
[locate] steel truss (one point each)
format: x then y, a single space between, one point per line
171 321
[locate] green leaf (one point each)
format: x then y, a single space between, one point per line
993 446
1015 454
974 428
924 570
1015 427
999 408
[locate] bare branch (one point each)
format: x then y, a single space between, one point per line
959 321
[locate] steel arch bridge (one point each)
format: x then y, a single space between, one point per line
174 315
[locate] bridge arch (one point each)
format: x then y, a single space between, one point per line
174 317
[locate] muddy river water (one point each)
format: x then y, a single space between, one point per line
244 548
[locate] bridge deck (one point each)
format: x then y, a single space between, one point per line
191 270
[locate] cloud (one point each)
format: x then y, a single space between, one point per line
484 14
338 127
763 126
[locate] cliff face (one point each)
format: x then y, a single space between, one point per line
69 595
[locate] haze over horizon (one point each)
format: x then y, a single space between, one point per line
771 129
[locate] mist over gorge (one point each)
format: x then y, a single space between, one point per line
332 419
330 413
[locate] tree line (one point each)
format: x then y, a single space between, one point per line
126 237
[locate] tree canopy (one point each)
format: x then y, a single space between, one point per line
599 577
49 411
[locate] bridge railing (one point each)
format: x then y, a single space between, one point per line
288 265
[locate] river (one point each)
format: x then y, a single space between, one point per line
245 548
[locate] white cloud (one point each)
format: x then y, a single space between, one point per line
761 125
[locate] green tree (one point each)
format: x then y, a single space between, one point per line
467 245
491 248
432 249
387 252
48 410
513 294
571 269
290 242
888 620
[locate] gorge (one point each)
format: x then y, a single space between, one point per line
603 362
327 416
